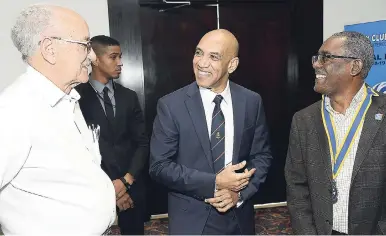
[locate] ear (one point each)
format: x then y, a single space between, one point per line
95 62
233 64
356 67
48 50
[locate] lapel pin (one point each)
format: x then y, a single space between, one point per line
378 116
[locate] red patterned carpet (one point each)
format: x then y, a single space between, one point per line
269 221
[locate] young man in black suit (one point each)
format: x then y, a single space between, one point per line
123 142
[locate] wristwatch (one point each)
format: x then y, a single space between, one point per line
127 185
240 197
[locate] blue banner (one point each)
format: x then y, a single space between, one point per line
376 32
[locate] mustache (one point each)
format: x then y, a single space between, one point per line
320 72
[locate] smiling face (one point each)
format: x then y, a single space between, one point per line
214 59
333 75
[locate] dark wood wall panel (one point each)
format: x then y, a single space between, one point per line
125 26
263 31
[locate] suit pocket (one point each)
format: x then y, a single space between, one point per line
179 201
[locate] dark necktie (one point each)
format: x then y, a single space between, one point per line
108 105
217 137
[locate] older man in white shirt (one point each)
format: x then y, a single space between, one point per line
50 176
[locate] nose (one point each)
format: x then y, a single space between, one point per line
203 62
120 63
317 64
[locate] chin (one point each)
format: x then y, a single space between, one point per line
116 76
84 80
203 82
320 90
203 85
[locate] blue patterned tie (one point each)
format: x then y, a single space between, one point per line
217 137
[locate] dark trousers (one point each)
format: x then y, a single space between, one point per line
131 221
221 223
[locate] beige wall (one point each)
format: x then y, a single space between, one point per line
11 66
338 13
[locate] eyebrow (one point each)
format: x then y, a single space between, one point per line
115 53
212 53
324 52
216 54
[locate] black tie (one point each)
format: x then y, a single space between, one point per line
108 105
217 137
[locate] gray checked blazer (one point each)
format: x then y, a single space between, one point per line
308 174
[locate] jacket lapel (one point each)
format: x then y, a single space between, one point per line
369 130
97 114
323 143
197 114
238 104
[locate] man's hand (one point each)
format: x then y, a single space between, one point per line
125 202
129 178
229 179
119 187
223 200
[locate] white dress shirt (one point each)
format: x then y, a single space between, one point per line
343 180
50 176
207 97
98 88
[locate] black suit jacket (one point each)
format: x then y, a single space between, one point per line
123 144
308 173
180 155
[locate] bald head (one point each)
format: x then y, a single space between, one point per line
38 21
215 59
65 23
55 41
226 39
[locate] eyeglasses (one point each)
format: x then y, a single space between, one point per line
86 44
322 58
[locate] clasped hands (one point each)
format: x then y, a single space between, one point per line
124 201
228 184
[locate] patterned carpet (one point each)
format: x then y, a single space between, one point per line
269 221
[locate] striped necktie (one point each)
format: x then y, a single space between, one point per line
217 137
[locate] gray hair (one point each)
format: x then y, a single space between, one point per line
29 26
359 46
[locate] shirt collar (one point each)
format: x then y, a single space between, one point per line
98 86
210 95
354 103
51 93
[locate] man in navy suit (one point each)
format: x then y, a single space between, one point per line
210 145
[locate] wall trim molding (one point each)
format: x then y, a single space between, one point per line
257 206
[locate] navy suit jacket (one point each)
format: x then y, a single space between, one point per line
180 155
